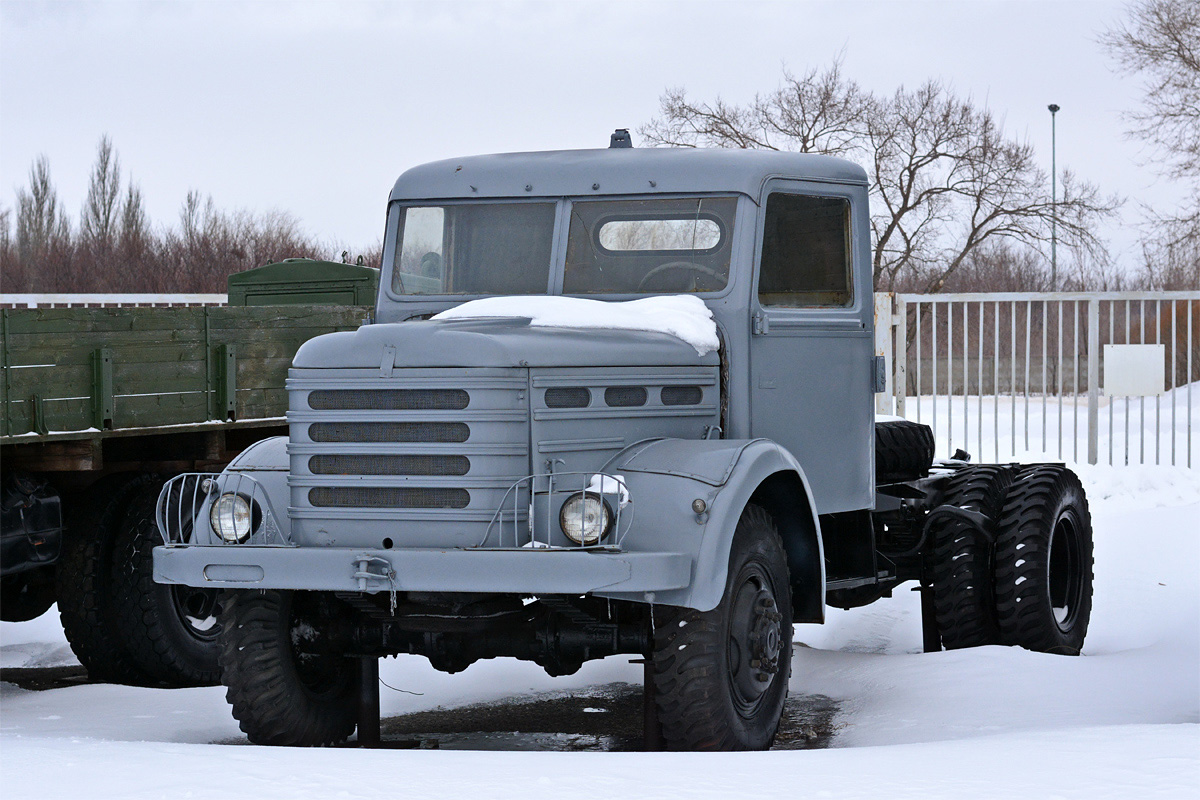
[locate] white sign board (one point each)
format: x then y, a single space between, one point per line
1134 370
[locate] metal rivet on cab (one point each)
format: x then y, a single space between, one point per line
529 187
699 506
595 186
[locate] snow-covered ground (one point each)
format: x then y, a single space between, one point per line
1121 721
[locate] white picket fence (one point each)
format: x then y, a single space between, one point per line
1106 377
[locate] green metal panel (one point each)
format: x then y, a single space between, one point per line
304 281
70 369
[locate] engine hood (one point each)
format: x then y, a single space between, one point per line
493 342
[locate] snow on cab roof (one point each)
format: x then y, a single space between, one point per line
683 316
618 171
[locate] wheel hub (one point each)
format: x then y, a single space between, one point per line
755 643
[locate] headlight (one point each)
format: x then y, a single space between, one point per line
230 518
585 518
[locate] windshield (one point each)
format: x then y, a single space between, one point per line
643 246
649 246
475 248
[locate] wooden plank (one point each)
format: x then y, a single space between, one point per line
261 403
160 409
99 320
224 318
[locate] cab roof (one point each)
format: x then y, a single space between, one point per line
618 171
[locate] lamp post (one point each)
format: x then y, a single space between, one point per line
1053 201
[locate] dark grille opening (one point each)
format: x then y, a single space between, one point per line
387 497
389 400
681 395
358 432
389 465
625 396
568 397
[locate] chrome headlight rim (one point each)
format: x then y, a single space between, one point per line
235 508
566 512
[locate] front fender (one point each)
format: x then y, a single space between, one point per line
665 476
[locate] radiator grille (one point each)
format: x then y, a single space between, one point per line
625 396
361 432
389 465
389 400
387 497
568 397
681 395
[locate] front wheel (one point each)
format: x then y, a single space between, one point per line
721 676
281 690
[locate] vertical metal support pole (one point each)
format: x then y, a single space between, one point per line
1075 389
949 380
900 385
931 641
1174 372
1093 362
652 739
368 702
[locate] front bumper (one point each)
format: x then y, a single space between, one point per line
521 570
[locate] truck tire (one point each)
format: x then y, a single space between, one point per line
170 632
26 595
86 603
721 676
279 696
1043 574
903 451
959 561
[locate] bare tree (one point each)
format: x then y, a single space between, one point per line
99 220
1160 42
945 179
42 229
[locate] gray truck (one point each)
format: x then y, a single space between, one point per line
491 485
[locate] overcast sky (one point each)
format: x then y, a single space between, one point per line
315 108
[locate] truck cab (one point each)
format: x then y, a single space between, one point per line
612 401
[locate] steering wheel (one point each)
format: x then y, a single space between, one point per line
689 266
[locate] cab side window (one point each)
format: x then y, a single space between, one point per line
806 252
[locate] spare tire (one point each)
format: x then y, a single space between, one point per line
903 451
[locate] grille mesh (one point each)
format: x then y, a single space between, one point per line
360 432
568 397
625 396
681 395
387 497
389 465
389 400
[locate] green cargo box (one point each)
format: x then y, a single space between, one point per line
71 371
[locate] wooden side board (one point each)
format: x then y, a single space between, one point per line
70 370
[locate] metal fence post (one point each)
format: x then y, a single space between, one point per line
1093 380
900 355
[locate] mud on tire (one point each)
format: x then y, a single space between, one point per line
721 676
169 632
279 695
903 450
959 561
1043 576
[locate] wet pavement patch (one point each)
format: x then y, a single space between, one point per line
606 718
39 679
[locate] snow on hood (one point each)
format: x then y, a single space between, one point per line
682 316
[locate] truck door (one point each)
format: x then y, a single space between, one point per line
811 348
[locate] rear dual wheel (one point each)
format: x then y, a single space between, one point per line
1044 562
